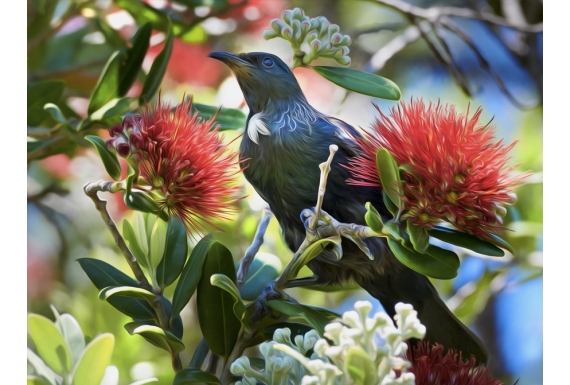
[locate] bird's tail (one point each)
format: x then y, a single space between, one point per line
405 285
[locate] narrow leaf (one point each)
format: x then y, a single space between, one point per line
40 93
91 366
157 70
190 376
389 175
72 334
133 243
158 336
50 343
389 204
113 107
422 263
315 318
199 355
175 254
418 236
190 275
227 118
219 324
226 284
110 160
157 244
372 218
361 82
465 240
126 291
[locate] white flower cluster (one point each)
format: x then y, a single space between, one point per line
355 356
310 38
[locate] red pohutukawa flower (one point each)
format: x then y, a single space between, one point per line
430 366
459 173
182 160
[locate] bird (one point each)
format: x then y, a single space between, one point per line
284 142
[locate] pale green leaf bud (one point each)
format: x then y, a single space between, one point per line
296 27
287 16
336 38
269 34
315 24
241 366
333 28
305 26
277 25
312 36
346 40
298 14
345 60
287 32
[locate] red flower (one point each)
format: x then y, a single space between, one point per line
182 160
430 366
459 174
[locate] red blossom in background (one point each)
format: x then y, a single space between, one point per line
431 366
461 173
182 159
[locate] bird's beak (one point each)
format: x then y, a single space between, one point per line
231 60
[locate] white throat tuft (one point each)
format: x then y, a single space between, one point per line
257 126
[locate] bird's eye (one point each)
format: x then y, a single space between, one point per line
268 62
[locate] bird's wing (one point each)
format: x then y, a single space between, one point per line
347 136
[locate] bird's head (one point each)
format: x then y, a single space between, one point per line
262 77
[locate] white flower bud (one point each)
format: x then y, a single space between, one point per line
283 336
269 34
277 25
501 211
287 16
321 346
315 24
241 366
298 14
336 38
310 380
315 45
324 28
296 27
346 40
287 32
513 197
333 28
352 319
305 26
312 36
310 340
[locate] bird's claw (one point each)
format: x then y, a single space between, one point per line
269 292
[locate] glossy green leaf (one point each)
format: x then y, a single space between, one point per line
121 71
50 344
109 159
72 334
104 275
226 284
392 229
199 355
373 218
313 251
392 208
113 107
227 118
91 366
175 254
500 242
112 36
41 370
361 82
140 201
419 236
157 70
39 94
447 257
190 275
424 263
158 336
389 175
315 318
219 324
264 268
56 114
361 369
157 244
465 240
190 376
126 291
133 243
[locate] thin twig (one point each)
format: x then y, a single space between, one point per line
91 190
433 14
46 147
48 190
252 250
379 59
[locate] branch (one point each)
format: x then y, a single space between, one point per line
252 250
91 190
379 59
433 14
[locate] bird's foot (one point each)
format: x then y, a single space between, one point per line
269 292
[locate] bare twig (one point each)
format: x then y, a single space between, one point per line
91 190
46 147
379 59
433 14
252 250
48 190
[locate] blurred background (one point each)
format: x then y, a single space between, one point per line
496 67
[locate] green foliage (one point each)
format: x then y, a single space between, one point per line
158 69
389 176
465 240
316 317
227 118
109 158
190 376
264 268
361 82
156 336
175 254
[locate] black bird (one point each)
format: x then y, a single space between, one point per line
286 140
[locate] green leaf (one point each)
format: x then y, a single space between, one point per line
425 264
141 201
72 334
408 169
39 94
110 160
159 337
465 240
389 175
199 355
104 275
190 376
313 251
389 204
361 82
190 276
113 107
392 229
40 368
56 114
372 218
264 268
126 291
175 254
50 343
361 368
418 236
157 245
226 284
33 380
133 243
500 242
219 324
157 70
227 118
121 71
91 366
315 318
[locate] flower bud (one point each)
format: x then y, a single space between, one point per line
305 26
501 211
287 32
286 16
311 36
333 28
269 34
345 60
296 27
324 28
315 24
277 25
315 45
241 366
298 14
336 38
346 40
